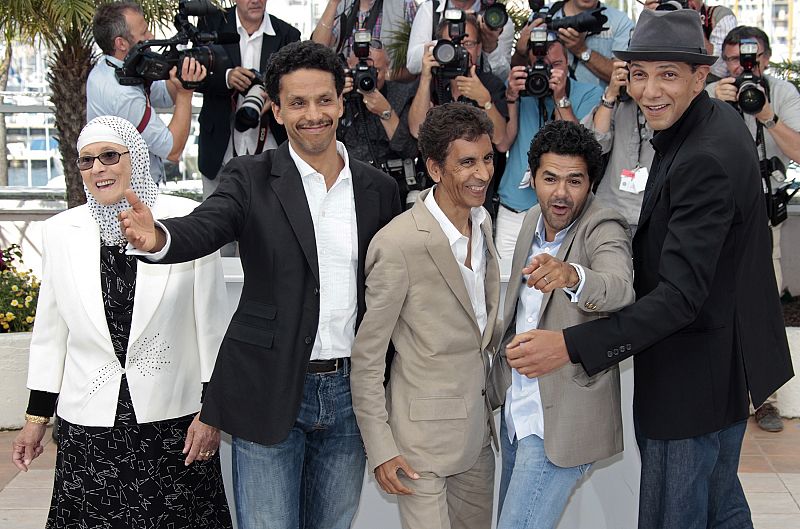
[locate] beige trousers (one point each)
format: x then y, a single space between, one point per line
461 501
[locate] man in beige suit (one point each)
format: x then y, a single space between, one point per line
433 288
572 263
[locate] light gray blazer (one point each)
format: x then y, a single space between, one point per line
582 416
434 411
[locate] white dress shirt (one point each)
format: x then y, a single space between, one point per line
524 412
250 50
474 278
333 212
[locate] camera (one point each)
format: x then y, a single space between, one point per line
249 113
453 58
777 201
365 76
143 64
751 98
495 15
537 83
590 22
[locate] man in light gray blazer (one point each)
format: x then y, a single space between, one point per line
433 288
572 263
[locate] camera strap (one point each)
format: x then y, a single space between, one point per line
148 109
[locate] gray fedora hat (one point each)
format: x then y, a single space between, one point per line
668 36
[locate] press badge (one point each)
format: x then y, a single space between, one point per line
633 181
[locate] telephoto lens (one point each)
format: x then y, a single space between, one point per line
249 113
495 15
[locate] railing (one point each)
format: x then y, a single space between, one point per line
32 144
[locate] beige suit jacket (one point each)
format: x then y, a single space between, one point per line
582 415
434 410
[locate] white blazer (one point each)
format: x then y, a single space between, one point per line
179 319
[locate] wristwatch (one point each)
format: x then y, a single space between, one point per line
386 114
771 122
586 55
487 106
564 102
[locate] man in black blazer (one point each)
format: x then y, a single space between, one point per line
260 35
303 215
706 328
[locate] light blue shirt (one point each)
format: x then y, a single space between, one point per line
583 97
523 409
616 37
106 97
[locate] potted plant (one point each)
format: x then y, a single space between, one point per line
19 293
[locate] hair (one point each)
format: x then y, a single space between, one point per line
738 33
109 23
298 56
565 137
449 122
470 18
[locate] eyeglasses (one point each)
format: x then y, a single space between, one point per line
469 44
735 58
85 163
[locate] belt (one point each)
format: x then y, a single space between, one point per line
327 366
512 210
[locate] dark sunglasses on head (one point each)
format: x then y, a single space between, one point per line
106 158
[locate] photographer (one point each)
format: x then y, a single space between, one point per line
374 127
260 35
484 90
624 135
497 44
589 52
776 129
117 27
717 22
564 99
383 18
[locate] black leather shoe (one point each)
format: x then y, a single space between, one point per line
768 418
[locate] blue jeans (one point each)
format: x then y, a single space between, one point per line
693 483
533 491
312 479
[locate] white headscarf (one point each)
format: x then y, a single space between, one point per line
117 130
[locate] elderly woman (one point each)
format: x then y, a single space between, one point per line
124 346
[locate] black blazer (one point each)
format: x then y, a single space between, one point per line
215 115
257 384
707 325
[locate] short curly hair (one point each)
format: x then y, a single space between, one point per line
450 122
566 137
298 56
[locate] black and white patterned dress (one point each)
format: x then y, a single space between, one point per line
131 475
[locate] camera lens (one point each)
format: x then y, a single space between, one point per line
366 84
751 99
537 84
444 52
495 16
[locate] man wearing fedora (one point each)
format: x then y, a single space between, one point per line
706 328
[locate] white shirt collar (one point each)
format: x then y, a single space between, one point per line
265 27
478 215
541 233
306 170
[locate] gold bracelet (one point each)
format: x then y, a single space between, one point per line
324 25
37 419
